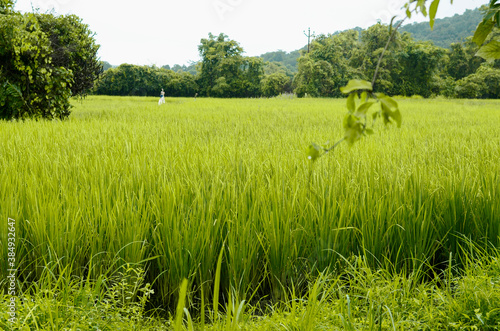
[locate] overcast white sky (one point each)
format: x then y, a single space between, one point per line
160 32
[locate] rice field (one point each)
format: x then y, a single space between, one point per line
181 188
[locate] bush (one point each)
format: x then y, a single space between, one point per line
44 60
484 84
274 84
30 86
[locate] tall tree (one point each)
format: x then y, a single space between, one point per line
458 65
225 72
220 59
420 63
327 66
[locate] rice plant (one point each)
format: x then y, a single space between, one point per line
170 189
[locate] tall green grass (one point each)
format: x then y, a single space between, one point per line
170 188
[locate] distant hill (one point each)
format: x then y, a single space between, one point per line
446 30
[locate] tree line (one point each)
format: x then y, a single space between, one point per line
409 68
223 72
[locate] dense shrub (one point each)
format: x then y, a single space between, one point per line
30 85
44 60
484 84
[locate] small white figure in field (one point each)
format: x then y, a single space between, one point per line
162 98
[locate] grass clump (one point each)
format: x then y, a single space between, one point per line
359 298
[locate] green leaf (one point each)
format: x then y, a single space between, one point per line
351 103
388 101
423 9
363 108
369 131
396 115
356 84
353 128
491 51
482 31
364 96
181 304
349 121
387 114
313 152
390 109
432 12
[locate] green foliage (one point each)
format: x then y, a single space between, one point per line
133 80
491 51
326 68
106 65
491 19
462 60
59 302
177 188
483 84
72 47
129 79
287 60
26 66
275 84
225 72
420 64
6 6
44 60
314 78
406 68
11 99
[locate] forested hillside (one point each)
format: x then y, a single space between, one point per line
446 30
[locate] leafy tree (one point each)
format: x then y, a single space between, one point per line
483 84
274 67
74 48
458 65
315 78
253 71
373 42
277 79
420 63
44 60
275 84
178 84
220 59
129 79
225 72
327 66
30 84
